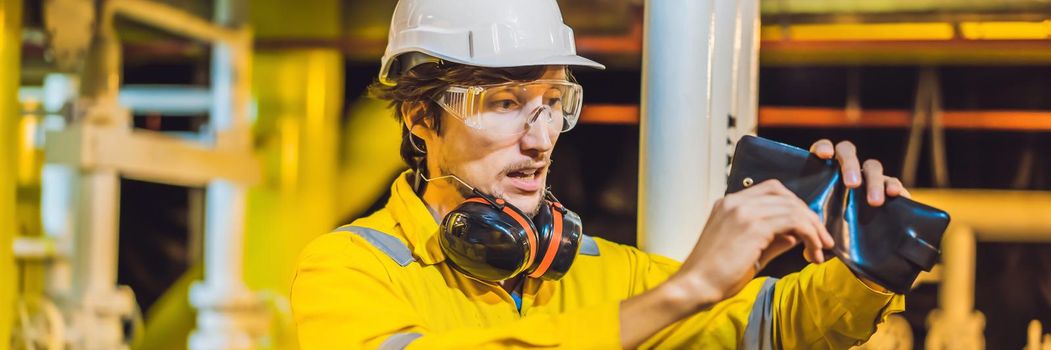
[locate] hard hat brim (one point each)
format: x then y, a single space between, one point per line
567 60
559 60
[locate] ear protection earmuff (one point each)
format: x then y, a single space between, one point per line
491 240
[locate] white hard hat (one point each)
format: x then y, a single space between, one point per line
485 33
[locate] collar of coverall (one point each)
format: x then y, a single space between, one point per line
416 222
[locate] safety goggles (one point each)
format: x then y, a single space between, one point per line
510 108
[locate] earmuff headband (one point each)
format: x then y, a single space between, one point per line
552 245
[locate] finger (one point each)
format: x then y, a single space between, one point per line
874 181
780 245
777 205
823 149
823 240
767 187
773 186
847 156
746 199
772 205
896 188
778 188
819 225
779 215
812 251
794 225
802 210
815 239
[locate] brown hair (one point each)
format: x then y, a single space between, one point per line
422 83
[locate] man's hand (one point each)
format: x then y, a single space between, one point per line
745 230
878 185
752 226
763 221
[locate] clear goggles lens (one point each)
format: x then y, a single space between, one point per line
510 108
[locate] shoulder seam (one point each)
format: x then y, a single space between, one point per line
384 242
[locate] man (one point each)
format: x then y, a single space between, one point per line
484 91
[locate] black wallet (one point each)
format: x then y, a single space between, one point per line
889 244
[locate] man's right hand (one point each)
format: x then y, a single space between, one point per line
754 225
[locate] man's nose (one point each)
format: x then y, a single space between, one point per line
538 131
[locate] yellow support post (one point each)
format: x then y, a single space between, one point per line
10 47
300 97
171 318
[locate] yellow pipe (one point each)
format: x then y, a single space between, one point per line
872 31
986 215
955 324
171 318
1006 30
989 30
10 46
995 215
956 295
1033 335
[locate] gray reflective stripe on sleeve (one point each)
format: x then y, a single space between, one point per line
588 246
387 244
399 341
759 334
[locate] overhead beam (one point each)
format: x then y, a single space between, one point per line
827 117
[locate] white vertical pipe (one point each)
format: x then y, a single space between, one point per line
221 117
673 158
231 84
225 201
102 305
224 304
224 235
57 190
57 214
99 217
746 99
724 64
224 221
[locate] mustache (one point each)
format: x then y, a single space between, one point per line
528 164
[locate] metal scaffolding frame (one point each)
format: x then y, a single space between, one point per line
99 146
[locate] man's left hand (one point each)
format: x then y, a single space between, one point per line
878 185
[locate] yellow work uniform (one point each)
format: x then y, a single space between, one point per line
356 291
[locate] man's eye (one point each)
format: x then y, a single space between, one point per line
504 105
553 97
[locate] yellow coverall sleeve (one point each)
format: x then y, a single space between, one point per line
349 301
345 302
824 306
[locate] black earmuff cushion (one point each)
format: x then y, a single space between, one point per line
485 242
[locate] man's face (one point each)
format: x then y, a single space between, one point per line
509 166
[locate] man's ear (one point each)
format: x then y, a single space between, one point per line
411 116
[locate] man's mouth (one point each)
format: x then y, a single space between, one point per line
527 179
